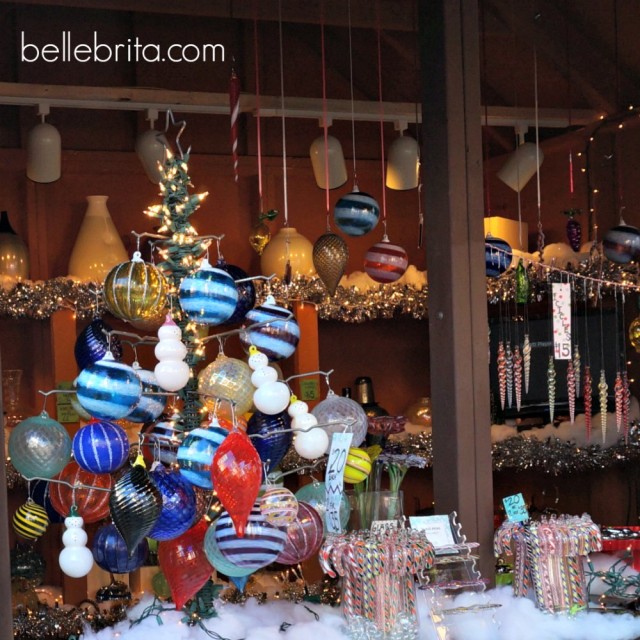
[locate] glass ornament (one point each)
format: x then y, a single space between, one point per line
93 343
172 375
226 379
219 561
330 257
135 290
259 237
279 506
40 495
272 397
161 439
279 338
304 422
385 262
246 291
108 389
311 444
304 536
151 403
30 520
236 473
184 563
358 466
315 495
257 548
263 375
100 446
39 447
171 372
336 412
14 255
274 436
195 455
111 554
356 213
178 504
634 334
92 504
135 504
418 413
621 244
75 560
208 296
288 253
522 283
497 256
160 586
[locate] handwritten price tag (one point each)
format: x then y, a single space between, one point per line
334 479
515 508
561 296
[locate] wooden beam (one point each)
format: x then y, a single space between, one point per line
6 620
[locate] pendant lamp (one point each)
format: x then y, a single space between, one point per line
151 147
403 163
44 150
521 165
336 165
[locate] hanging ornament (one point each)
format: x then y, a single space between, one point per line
40 495
195 454
162 439
626 406
100 446
246 291
358 466
551 387
509 366
236 473
304 536
30 520
39 447
385 262
171 372
634 332
330 257
288 254
341 415
278 506
522 283
111 554
310 445
93 343
574 230
108 389
273 439
502 373
315 495
622 243
603 387
577 367
75 560
517 376
220 561
526 358
271 397
278 338
587 390
135 504
152 403
497 256
356 213
301 419
619 396
135 290
226 379
571 390
178 504
260 234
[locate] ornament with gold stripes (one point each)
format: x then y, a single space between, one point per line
30 520
358 466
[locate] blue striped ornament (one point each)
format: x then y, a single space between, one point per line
196 452
278 339
92 344
385 262
108 389
497 256
217 560
622 244
178 504
100 447
111 554
260 545
166 433
356 213
150 407
246 291
275 436
209 296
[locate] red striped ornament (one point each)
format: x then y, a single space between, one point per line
386 262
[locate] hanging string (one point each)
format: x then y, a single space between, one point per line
487 188
325 123
382 158
258 123
418 128
571 181
353 116
537 125
618 172
284 132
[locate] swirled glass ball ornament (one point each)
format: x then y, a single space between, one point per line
634 334
135 290
246 291
497 256
152 403
622 244
93 343
39 447
279 506
100 446
304 536
108 389
196 452
111 554
273 436
358 466
178 504
385 262
315 495
30 520
162 439
279 338
226 379
219 561
356 213
208 296
342 415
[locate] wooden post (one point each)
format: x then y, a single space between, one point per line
306 357
452 161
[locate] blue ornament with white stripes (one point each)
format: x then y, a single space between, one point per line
178 504
209 296
356 213
151 403
196 452
108 389
278 337
497 256
260 545
100 446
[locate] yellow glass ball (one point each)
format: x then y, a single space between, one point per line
634 333
226 380
135 291
358 466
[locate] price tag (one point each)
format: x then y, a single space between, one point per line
561 296
309 390
515 508
65 412
334 479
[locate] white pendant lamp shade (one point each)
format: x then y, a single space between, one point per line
44 151
336 163
521 166
403 164
150 148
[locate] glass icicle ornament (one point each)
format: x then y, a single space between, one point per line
526 359
509 365
522 283
502 373
618 388
517 375
587 390
603 387
626 406
571 390
577 368
551 387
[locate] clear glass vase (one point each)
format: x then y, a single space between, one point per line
368 507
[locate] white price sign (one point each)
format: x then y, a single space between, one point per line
561 296
334 479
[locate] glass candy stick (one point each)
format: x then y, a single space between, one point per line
587 390
576 368
618 388
602 394
502 373
526 354
517 375
626 406
551 387
509 365
571 390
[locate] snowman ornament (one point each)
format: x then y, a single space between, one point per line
172 372
271 396
75 559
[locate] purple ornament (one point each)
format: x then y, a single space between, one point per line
178 504
271 447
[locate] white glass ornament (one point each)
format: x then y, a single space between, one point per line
171 371
257 359
272 397
303 422
172 375
170 350
76 562
311 444
75 537
298 408
263 375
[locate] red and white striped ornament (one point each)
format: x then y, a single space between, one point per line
386 262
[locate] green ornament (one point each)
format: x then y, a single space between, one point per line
522 283
160 586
